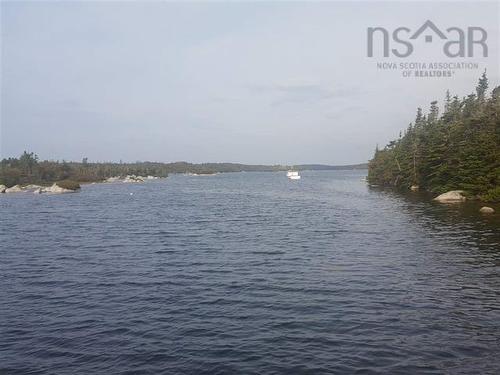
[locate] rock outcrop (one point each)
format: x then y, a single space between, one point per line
451 197
32 187
487 210
133 178
112 179
14 189
55 189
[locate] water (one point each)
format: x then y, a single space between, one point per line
247 273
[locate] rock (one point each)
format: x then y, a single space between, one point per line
152 178
2 188
487 210
14 189
414 188
38 191
54 189
31 187
133 178
112 179
451 197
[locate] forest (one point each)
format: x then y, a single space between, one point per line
458 149
28 169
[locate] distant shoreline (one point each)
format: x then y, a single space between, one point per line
28 169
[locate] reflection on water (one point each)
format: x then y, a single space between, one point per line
463 220
247 273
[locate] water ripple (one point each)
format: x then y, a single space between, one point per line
247 273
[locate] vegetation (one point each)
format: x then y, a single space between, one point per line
68 184
323 167
458 150
28 169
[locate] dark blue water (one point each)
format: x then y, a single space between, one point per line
247 273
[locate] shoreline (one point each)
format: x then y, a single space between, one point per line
141 179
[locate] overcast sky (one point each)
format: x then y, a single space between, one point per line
250 82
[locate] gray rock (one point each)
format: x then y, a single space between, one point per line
55 189
113 179
451 197
31 187
487 210
14 189
133 178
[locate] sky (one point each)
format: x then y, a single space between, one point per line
253 82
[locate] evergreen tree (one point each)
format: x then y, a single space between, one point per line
458 150
482 86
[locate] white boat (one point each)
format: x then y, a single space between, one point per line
293 175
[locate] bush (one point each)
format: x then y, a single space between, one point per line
68 184
10 176
492 195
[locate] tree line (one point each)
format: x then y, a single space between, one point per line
458 149
28 169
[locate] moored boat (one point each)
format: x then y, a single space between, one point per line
293 175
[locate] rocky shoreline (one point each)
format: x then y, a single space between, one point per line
451 197
62 187
37 189
55 188
130 179
457 196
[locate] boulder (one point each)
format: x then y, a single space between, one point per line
414 188
487 210
38 191
14 189
2 188
451 196
55 189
